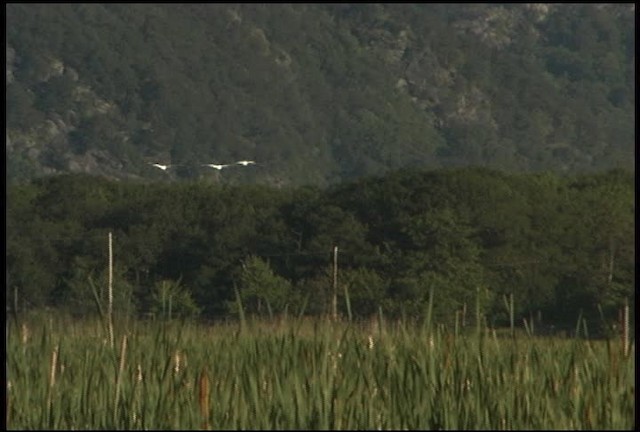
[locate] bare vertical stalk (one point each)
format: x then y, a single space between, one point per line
110 292
52 381
135 417
334 305
508 303
478 318
347 301
464 314
6 363
625 328
429 314
243 322
380 322
512 316
15 302
456 329
123 351
611 262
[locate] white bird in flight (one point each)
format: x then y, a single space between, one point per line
215 166
245 162
162 167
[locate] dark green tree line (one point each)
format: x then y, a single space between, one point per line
559 245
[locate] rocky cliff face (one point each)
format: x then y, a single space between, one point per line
79 121
45 146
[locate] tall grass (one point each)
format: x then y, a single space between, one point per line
312 375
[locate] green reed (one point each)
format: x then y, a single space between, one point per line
298 374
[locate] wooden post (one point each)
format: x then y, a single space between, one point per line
334 304
110 290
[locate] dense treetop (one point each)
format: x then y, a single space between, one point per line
559 245
318 93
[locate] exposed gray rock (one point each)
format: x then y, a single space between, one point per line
11 57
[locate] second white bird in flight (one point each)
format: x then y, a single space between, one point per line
162 167
220 166
215 166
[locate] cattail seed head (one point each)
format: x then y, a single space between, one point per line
467 384
203 398
24 333
176 362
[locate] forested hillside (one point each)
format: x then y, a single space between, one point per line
561 246
317 93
